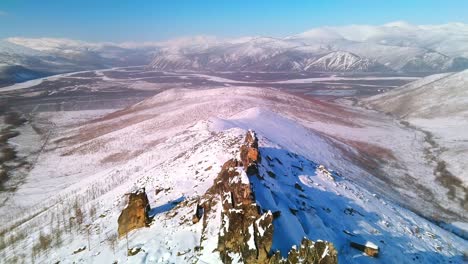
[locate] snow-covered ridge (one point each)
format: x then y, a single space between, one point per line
174 145
313 201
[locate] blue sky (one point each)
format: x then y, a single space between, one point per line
138 20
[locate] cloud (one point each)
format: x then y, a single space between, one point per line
3 13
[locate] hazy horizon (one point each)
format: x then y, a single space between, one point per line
205 37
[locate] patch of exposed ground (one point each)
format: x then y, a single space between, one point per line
9 160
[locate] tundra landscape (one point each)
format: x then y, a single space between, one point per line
341 144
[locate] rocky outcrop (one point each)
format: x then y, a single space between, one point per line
249 154
319 252
246 233
135 215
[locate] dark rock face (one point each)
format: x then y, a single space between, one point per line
135 215
198 214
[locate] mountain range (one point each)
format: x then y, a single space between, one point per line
393 47
396 47
23 59
340 144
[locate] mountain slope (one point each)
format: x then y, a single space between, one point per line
175 144
437 105
23 59
345 62
435 96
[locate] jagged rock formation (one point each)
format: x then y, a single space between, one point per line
135 215
319 252
249 153
246 233
242 221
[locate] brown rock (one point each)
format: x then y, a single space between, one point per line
369 248
228 181
135 215
309 252
198 214
245 230
249 153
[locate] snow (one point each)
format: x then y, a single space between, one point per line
336 78
23 85
325 252
397 46
251 241
35 82
342 61
371 245
200 130
323 215
244 179
461 225
260 229
436 104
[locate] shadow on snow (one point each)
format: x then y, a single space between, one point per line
312 207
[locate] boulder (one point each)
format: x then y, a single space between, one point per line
367 247
135 215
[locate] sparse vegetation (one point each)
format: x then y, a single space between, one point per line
7 154
42 244
14 119
78 213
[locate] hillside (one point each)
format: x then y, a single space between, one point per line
190 151
436 105
23 59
